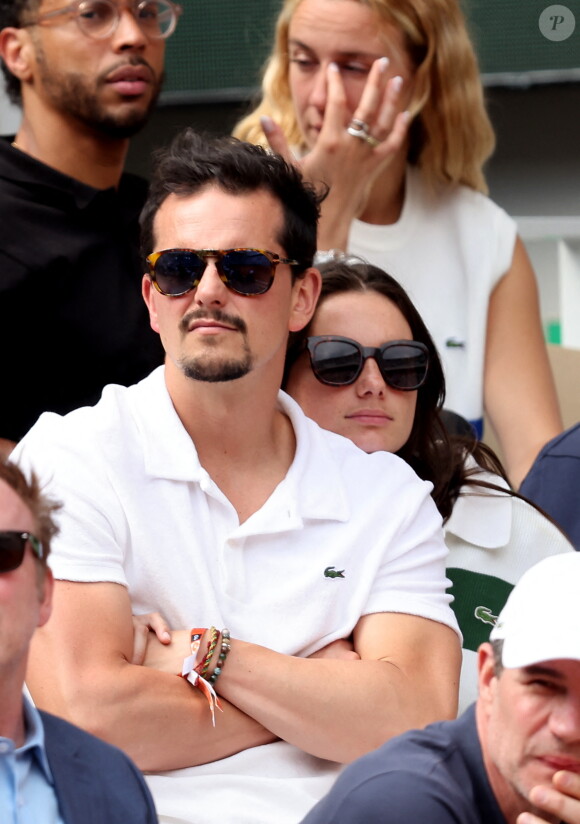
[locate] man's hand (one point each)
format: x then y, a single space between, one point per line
342 649
142 626
560 801
167 657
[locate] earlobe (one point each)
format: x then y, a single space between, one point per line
306 291
148 292
17 52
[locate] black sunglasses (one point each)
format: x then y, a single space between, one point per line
175 272
13 546
338 361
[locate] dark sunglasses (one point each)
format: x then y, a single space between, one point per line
13 546
338 361
175 272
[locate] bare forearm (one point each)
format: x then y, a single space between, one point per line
159 720
335 707
335 221
332 709
518 381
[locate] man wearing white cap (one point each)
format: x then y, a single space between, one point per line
511 758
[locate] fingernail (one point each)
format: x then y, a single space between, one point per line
166 636
267 124
524 818
333 67
396 83
384 63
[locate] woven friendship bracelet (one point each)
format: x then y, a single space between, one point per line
203 665
224 649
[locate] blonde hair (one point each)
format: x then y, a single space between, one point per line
451 136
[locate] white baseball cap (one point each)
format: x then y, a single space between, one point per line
541 618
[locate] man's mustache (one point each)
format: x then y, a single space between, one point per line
212 314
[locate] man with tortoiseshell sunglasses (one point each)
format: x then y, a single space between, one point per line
305 578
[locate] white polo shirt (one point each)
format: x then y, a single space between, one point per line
343 535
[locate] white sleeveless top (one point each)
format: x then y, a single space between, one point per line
448 250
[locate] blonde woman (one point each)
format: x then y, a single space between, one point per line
381 101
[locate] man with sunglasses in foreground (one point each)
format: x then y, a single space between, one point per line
50 771
307 577
87 74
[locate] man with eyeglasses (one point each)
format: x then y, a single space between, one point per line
87 75
305 579
50 771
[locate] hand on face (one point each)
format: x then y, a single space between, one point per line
560 801
347 164
339 72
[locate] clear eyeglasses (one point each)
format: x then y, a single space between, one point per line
157 19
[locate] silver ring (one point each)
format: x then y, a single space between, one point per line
358 128
360 125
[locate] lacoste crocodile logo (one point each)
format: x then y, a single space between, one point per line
455 343
485 614
331 572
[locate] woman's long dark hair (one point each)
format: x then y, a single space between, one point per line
434 454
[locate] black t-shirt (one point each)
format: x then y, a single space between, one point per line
72 318
430 776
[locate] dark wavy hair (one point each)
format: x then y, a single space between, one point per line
193 161
12 14
434 454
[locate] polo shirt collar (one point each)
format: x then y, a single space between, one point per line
315 476
313 486
168 450
482 517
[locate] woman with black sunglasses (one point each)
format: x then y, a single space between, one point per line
366 367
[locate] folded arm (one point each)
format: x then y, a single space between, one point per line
339 707
80 669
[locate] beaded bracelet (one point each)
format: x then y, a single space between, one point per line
203 665
224 649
